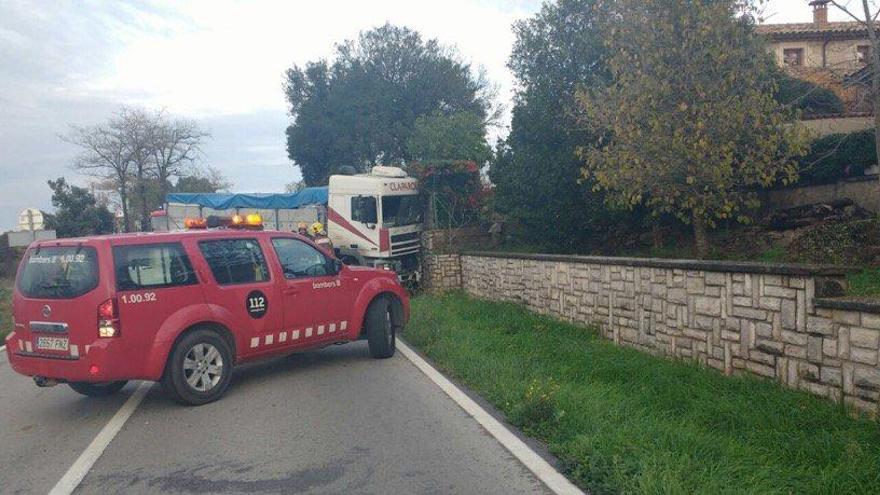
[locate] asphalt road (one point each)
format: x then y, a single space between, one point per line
331 421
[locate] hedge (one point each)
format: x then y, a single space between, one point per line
838 156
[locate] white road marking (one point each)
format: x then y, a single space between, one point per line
558 483
2 348
74 476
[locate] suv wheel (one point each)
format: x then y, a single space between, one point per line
380 329
199 368
97 389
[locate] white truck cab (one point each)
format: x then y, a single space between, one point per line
375 219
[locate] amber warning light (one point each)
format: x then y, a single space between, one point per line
250 221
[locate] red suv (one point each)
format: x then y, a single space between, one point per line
184 307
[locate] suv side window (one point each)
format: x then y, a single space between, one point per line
299 260
235 261
152 266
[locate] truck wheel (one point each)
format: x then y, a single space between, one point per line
97 389
199 368
380 329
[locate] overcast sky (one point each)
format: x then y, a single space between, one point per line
218 61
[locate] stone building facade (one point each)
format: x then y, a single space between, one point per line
831 54
765 319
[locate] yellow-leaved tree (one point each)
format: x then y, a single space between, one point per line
690 124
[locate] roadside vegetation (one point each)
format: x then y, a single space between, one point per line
5 308
624 421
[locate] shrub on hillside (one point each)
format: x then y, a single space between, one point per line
838 156
840 243
807 97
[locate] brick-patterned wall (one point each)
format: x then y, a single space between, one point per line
442 272
735 317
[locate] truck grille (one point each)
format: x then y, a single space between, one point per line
404 237
405 243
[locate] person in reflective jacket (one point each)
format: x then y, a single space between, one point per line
320 237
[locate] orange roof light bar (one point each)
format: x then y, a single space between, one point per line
250 221
195 223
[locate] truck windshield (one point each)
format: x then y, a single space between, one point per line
401 210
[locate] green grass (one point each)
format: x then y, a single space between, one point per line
772 255
864 283
5 308
624 421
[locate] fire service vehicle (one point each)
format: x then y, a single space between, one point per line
185 307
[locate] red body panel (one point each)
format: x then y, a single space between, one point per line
302 313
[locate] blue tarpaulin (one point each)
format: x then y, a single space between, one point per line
225 201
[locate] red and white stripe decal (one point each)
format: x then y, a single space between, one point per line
335 217
317 330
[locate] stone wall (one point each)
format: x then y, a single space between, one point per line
862 190
765 319
441 272
456 240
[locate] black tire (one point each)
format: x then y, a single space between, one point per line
177 381
380 329
97 389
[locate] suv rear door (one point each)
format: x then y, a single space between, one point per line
153 281
58 291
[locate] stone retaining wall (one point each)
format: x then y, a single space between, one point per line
442 272
765 319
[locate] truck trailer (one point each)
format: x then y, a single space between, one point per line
373 219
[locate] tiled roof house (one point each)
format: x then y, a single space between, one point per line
831 54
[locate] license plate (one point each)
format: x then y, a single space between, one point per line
52 343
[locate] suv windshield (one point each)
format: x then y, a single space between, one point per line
58 272
401 210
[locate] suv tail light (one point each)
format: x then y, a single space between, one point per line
108 321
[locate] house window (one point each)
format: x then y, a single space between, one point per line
793 57
863 54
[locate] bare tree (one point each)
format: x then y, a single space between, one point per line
868 20
176 148
139 132
134 147
106 155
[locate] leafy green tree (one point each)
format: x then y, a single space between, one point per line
77 212
691 125
536 171
805 96
204 180
361 109
460 136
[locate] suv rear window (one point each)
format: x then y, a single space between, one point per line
152 266
58 272
235 261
